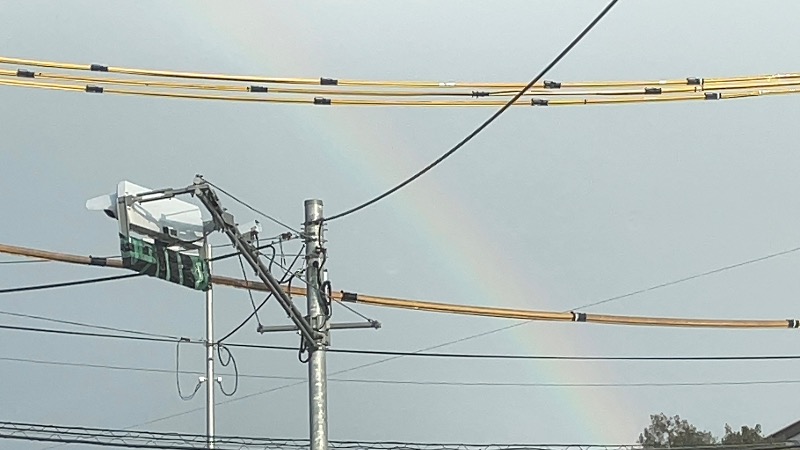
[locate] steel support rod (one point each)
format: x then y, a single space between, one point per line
210 377
334 326
317 376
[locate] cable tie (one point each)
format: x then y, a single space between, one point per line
258 89
94 89
328 82
713 96
694 81
447 84
539 102
322 101
549 84
477 94
578 316
652 90
98 261
22 73
349 297
98 68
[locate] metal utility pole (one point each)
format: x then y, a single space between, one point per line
210 378
317 370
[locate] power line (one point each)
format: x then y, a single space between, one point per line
418 354
689 278
182 441
40 287
86 325
486 123
251 208
443 383
338 83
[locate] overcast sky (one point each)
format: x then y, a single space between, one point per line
550 208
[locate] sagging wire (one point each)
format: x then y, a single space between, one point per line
258 308
250 291
225 363
178 372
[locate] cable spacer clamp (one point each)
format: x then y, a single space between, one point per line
477 94
258 89
23 73
94 89
322 101
98 68
578 316
793 323
549 84
652 90
349 297
539 102
713 96
694 81
328 82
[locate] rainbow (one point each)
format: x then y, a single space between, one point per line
478 271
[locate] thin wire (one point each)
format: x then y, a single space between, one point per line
264 302
86 325
426 354
178 375
485 124
691 277
25 261
226 363
40 287
629 294
99 335
249 291
246 205
418 382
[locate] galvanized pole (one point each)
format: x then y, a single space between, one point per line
210 378
317 371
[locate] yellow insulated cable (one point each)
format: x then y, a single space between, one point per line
418 305
385 83
324 101
155 83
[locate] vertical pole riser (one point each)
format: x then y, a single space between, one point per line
210 377
317 371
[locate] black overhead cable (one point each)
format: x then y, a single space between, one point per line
422 354
85 325
40 287
486 123
418 382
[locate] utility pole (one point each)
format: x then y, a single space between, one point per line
317 370
210 378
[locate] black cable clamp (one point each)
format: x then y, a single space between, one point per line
713 96
258 89
652 90
578 316
98 261
23 73
322 101
793 323
477 94
694 81
539 102
349 297
549 84
328 82
94 89
98 68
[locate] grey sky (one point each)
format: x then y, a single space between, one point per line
548 209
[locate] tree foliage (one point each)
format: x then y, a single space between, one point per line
670 432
